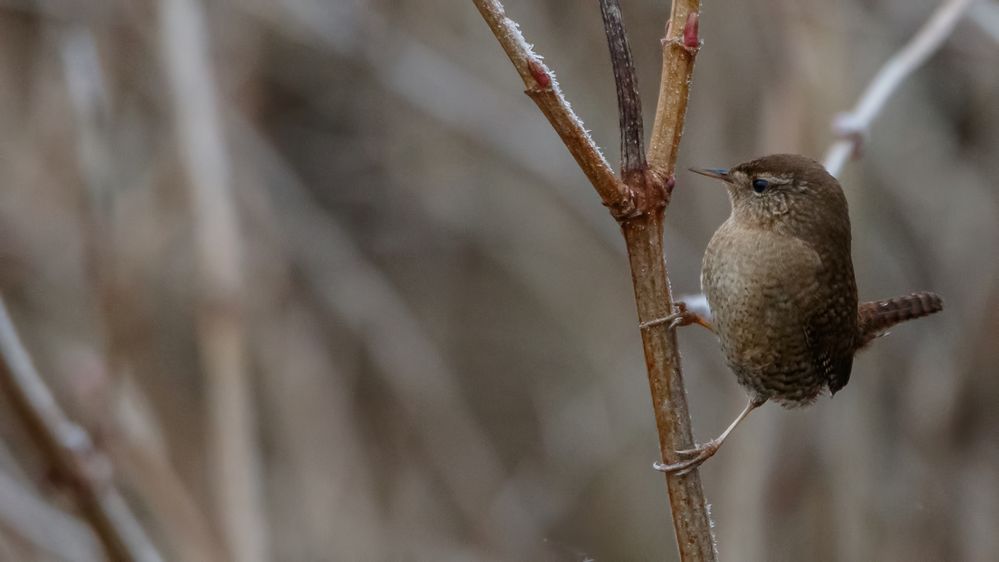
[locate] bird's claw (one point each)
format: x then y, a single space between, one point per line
682 317
700 454
673 320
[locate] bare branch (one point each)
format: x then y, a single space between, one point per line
70 451
854 125
544 90
235 462
643 230
646 251
680 46
629 103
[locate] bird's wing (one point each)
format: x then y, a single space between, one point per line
833 366
831 324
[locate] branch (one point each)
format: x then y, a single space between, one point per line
544 90
646 252
853 126
647 194
232 433
144 465
70 451
628 101
680 46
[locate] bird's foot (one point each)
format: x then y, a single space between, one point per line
697 455
682 317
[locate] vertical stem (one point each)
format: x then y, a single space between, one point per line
691 522
644 234
232 431
680 46
629 103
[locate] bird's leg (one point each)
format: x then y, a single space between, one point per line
682 317
706 451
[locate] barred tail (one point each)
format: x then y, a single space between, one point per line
877 316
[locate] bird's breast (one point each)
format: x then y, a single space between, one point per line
759 285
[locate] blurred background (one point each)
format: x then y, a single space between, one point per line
322 284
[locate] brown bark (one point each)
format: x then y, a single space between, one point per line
638 203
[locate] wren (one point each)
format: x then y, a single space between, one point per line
779 280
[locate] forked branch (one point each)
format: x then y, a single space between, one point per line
638 203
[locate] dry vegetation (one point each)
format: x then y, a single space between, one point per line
322 285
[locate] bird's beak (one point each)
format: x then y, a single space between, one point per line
717 173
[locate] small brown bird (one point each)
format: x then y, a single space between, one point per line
779 279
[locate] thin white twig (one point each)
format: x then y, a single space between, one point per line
138 449
70 451
853 126
235 463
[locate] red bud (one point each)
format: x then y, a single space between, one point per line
540 75
691 38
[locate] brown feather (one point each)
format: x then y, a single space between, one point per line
875 317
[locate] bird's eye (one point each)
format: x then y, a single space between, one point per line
760 185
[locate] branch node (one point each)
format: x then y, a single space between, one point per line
637 201
849 127
648 192
682 44
626 208
852 127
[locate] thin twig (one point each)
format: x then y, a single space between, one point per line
628 101
232 435
680 46
647 193
143 464
854 125
543 89
70 451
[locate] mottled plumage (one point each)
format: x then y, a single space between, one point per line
779 279
778 276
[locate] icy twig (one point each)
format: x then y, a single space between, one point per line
544 90
852 126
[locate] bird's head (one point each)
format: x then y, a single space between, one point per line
787 192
